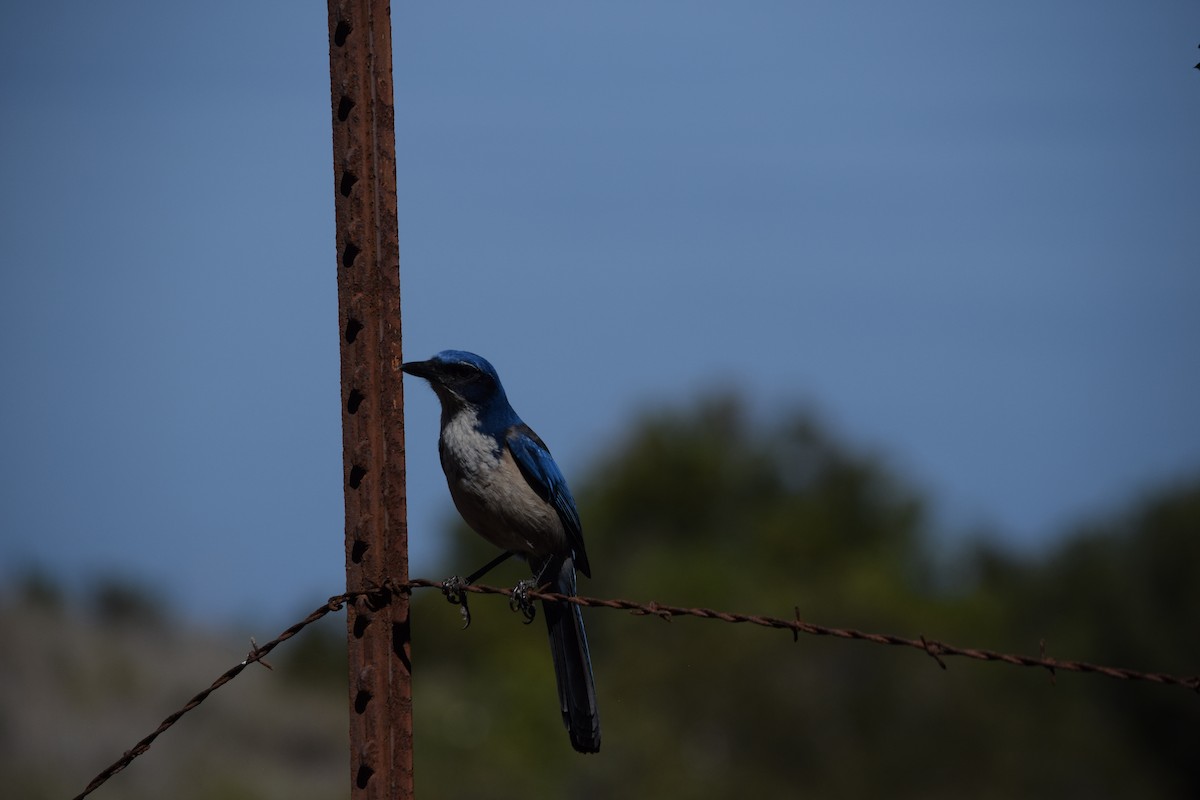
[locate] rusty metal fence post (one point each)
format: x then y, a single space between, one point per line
364 164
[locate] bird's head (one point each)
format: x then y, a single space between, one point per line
460 379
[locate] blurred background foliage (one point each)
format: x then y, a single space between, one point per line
697 506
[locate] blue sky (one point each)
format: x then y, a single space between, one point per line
966 233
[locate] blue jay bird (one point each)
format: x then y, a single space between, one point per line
507 487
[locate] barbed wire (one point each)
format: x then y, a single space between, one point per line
933 648
382 595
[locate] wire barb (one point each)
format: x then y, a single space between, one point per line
256 654
1049 662
932 648
652 609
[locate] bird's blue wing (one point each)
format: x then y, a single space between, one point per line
543 475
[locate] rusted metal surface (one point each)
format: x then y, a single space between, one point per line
364 166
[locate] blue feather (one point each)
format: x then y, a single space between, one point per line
544 477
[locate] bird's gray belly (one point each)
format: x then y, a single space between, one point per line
498 503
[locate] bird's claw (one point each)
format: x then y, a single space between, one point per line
454 588
519 600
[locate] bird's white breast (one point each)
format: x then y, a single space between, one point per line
491 493
466 448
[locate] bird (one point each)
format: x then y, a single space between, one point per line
510 491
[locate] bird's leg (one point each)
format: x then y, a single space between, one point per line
454 586
540 574
489 566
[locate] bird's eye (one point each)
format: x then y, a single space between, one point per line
463 370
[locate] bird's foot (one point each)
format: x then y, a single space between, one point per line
454 588
519 600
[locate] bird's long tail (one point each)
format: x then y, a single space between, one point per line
572 663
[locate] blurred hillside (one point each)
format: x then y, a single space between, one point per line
700 506
82 681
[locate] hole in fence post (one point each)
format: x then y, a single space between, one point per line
401 633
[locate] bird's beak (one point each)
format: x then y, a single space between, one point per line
422 369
